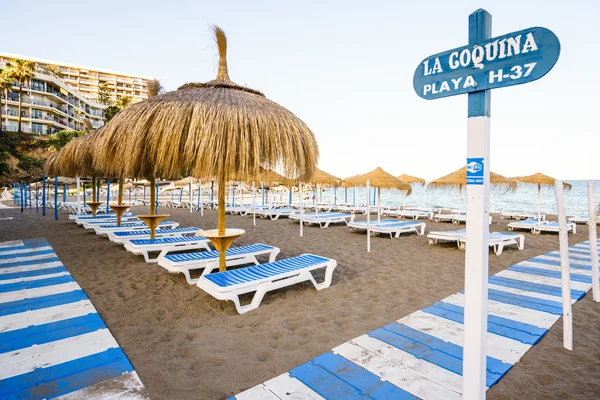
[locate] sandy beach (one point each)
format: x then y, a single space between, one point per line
185 344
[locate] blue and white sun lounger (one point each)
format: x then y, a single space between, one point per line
124 236
89 224
165 246
392 227
527 224
447 236
89 218
263 278
582 219
326 218
209 260
553 227
499 240
275 213
105 229
520 215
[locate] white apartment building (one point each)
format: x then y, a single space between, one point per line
86 80
48 106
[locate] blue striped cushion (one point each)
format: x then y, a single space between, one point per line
168 240
133 225
263 271
214 254
158 232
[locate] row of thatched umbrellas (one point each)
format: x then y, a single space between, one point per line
216 130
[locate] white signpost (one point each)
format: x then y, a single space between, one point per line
485 63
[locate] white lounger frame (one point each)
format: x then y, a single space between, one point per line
263 286
498 244
571 226
122 239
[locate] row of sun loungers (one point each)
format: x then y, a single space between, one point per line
497 240
173 245
391 227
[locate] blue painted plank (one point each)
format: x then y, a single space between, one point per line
30 262
418 350
36 242
533 303
50 332
557 263
364 381
19 306
549 274
11 287
571 257
533 287
493 365
28 254
67 377
29 274
325 383
515 330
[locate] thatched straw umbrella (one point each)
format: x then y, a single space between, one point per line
75 159
458 179
322 178
410 180
540 180
217 128
380 179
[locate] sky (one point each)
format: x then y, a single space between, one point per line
346 69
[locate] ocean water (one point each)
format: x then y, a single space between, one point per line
523 199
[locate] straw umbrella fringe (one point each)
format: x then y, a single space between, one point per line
217 128
412 179
540 180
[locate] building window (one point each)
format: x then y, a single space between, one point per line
37 85
37 114
37 128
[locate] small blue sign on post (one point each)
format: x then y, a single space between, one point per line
475 171
507 60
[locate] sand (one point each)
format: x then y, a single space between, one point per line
184 344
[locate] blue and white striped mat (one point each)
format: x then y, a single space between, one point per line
53 343
420 356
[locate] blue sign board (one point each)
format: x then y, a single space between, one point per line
512 59
474 171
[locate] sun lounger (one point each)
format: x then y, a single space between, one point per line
124 236
499 240
527 224
520 215
105 229
391 227
229 285
582 219
415 214
327 218
447 236
163 246
88 224
553 227
275 213
454 218
209 260
86 217
233 210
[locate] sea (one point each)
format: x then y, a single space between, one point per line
524 199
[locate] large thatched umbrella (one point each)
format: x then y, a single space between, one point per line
458 180
217 128
380 179
322 178
76 159
540 180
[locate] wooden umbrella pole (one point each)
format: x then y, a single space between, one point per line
221 221
152 197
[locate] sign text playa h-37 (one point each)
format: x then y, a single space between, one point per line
507 60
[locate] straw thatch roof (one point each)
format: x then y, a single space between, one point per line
321 177
412 179
381 179
75 159
217 128
267 176
541 180
347 182
458 179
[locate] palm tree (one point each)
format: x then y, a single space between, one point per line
154 88
5 85
53 69
20 71
123 101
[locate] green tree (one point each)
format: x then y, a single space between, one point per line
104 93
110 112
53 69
59 139
154 88
5 85
123 101
20 71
